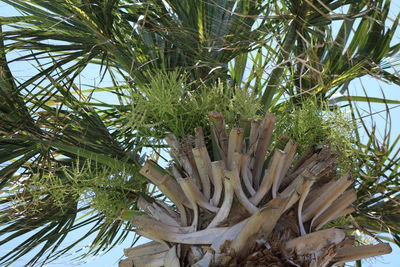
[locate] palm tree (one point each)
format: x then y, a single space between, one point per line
54 132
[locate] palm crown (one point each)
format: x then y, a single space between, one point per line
200 56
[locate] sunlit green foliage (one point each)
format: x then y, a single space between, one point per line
313 123
166 105
105 190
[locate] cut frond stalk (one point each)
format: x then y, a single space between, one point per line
217 168
265 134
235 144
203 169
313 242
326 198
348 254
156 211
237 187
337 209
165 183
226 206
149 248
219 131
193 193
275 170
246 175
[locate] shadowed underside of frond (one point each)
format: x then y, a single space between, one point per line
240 210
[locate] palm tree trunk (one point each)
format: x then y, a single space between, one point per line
240 211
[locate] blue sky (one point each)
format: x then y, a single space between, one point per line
111 258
